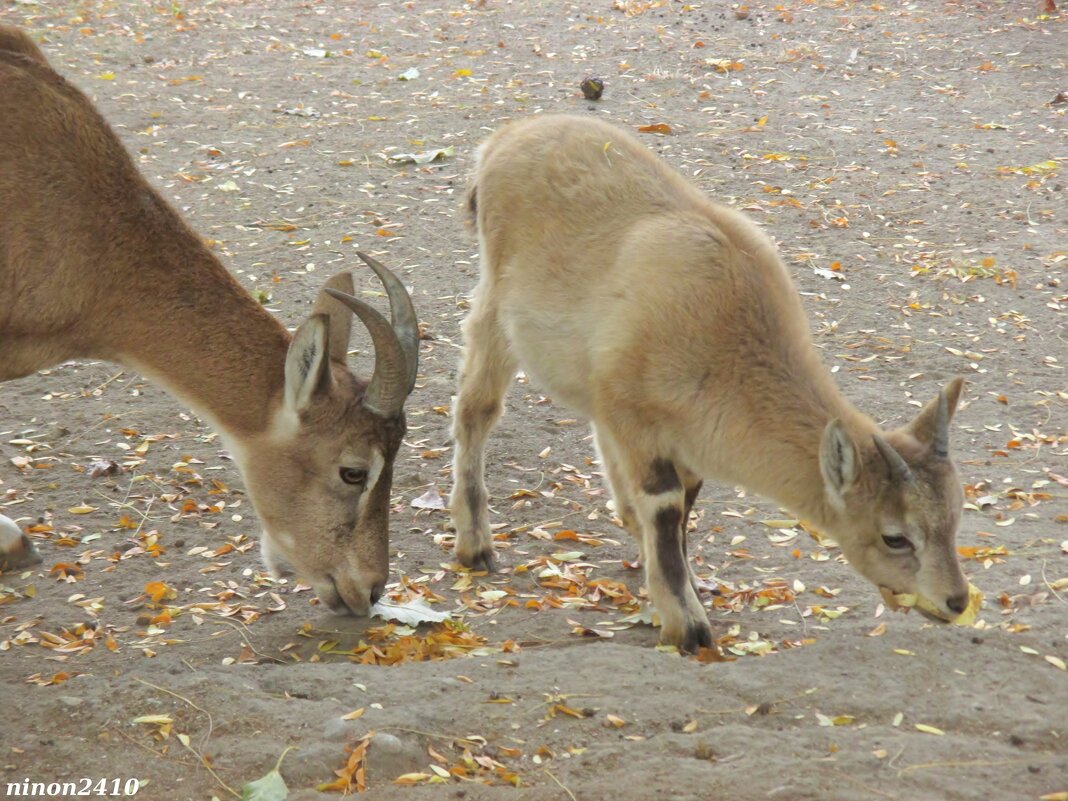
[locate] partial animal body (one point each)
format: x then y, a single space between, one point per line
95 264
672 324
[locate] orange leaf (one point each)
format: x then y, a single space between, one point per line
657 128
158 591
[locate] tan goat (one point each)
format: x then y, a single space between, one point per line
95 264
671 322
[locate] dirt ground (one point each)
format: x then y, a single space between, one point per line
908 159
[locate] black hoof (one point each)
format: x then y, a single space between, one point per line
697 636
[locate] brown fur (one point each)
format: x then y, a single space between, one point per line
671 322
95 264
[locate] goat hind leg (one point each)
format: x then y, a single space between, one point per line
486 369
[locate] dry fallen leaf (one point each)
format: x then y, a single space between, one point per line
657 128
929 729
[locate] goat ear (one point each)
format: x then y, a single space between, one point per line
307 365
931 425
339 314
839 464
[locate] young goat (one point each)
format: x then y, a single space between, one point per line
95 264
670 322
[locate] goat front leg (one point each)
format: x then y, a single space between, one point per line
661 504
485 372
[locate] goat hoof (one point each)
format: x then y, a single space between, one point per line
481 559
698 635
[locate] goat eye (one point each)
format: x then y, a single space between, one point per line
350 475
896 542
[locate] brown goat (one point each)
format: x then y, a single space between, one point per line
95 264
670 321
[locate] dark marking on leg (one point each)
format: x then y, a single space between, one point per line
473 499
669 553
662 477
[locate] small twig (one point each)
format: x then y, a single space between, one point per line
242 630
203 761
769 703
435 735
563 786
969 763
800 614
186 700
890 762
1049 586
106 419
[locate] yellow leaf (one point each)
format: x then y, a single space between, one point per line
106 76
929 729
1062 796
411 778
154 720
1057 662
355 714
81 510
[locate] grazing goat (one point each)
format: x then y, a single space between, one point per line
671 323
95 264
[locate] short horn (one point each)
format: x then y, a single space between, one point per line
402 312
899 469
389 383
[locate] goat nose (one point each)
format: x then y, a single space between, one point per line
958 603
376 592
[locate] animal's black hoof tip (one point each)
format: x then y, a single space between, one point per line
482 559
697 636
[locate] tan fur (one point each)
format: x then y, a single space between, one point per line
95 264
670 321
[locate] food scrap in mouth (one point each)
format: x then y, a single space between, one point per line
906 601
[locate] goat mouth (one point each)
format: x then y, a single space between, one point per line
339 604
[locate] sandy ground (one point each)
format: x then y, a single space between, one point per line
907 158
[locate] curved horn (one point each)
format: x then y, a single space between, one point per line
389 383
899 469
402 312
